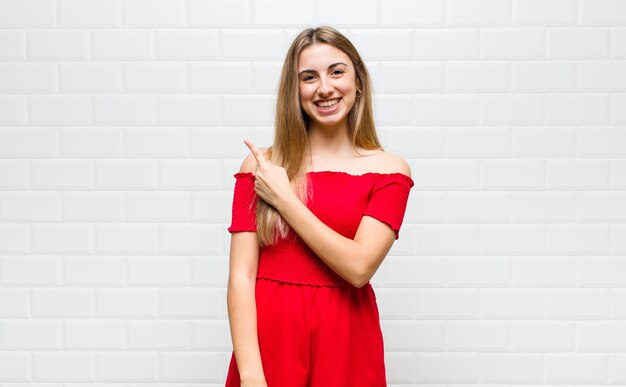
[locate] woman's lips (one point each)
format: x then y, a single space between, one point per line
333 109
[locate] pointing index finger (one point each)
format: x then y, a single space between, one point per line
258 155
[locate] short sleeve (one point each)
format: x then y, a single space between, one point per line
388 199
244 203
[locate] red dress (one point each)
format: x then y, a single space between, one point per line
314 328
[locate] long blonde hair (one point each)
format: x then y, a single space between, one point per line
291 136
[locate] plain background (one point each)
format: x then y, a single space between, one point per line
122 124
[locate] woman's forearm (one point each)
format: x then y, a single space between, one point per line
343 255
243 327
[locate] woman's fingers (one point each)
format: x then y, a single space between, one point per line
258 155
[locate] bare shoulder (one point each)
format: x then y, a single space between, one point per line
390 163
249 163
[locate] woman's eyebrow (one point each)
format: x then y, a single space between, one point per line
313 71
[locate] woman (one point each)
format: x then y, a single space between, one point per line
314 215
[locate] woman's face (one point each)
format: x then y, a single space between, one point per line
326 73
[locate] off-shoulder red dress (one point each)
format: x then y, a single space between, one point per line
314 328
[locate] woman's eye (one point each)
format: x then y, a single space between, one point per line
306 78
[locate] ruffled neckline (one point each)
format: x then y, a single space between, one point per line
346 174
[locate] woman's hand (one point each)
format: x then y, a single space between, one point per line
272 183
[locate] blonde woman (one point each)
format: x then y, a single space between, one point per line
313 217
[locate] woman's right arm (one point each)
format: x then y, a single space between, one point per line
244 257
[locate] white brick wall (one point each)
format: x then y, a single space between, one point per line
121 126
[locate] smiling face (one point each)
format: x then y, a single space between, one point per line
326 73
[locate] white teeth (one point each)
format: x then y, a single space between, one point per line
328 103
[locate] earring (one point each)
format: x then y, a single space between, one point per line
358 92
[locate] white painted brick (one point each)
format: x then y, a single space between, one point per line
463 272
511 368
543 76
90 142
247 44
259 110
545 12
618 39
89 13
602 141
28 13
542 336
157 271
93 335
14 174
452 240
59 109
510 303
93 271
405 335
577 174
512 239
60 174
543 207
228 12
618 176
13 110
158 77
468 141
29 206
190 109
61 238
96 77
124 109
125 239
14 239
394 303
191 367
25 77
512 108
446 174
443 109
446 303
125 174
601 336
399 367
75 367
189 174
512 174
127 303
12 45
602 76
92 206
41 335
156 142
393 109
544 271
513 43
265 77
189 303
161 207
151 335
602 12
189 239
543 141
27 271
446 43
601 272
576 368
72 303
211 335
272 13
123 44
577 43
412 12
14 303
154 12
411 77
219 77
618 368
577 109
209 271
474 207
618 108
211 206
347 13
28 142
477 336
127 366
577 304
478 12
577 239
476 76
188 44
58 44
447 368
374 44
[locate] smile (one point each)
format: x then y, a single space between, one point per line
327 104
